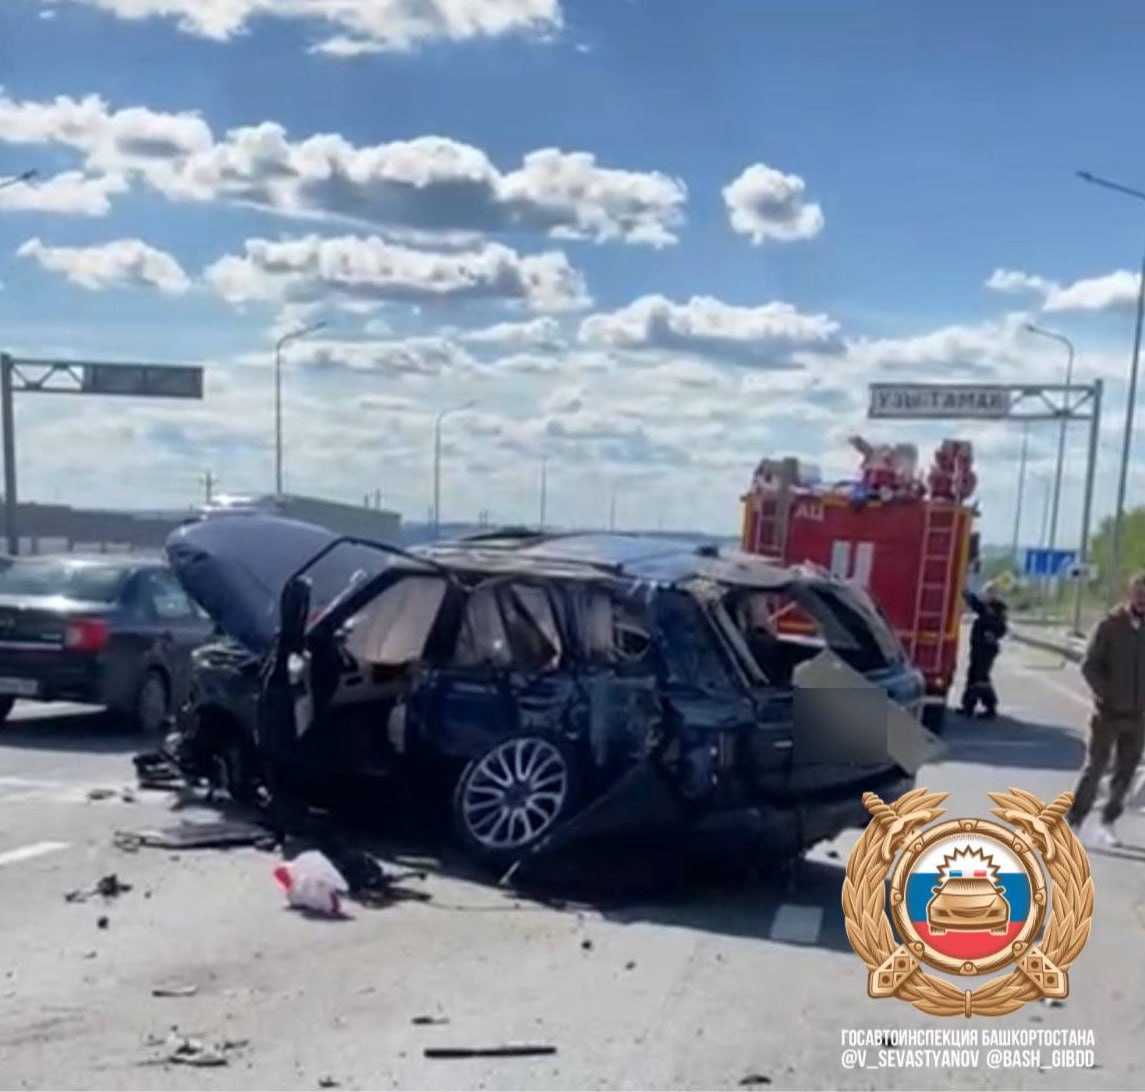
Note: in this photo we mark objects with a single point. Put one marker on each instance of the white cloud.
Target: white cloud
(763, 336)
(1113, 292)
(428, 184)
(363, 26)
(71, 193)
(982, 351)
(538, 333)
(573, 198)
(120, 263)
(415, 356)
(1014, 281)
(526, 364)
(764, 203)
(359, 268)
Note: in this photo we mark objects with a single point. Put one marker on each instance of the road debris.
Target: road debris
(754, 1080)
(630, 965)
(188, 990)
(328, 1082)
(154, 770)
(100, 794)
(107, 887)
(103, 922)
(187, 1050)
(128, 797)
(188, 835)
(524, 1050)
(586, 945)
(425, 1021)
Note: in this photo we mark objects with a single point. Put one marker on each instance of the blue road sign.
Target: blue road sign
(1041, 562)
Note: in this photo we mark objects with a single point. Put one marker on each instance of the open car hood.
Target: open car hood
(235, 568)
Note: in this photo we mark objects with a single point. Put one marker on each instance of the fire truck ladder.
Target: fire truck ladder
(938, 542)
(771, 515)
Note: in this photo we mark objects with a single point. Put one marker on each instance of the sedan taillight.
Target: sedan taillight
(86, 635)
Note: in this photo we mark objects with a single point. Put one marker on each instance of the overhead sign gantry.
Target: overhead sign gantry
(79, 377)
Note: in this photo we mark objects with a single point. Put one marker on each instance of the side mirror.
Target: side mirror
(294, 612)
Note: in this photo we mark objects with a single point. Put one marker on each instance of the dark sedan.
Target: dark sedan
(102, 631)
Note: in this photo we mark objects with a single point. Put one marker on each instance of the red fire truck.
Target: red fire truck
(909, 543)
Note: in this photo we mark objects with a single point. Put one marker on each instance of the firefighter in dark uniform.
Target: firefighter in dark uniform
(985, 643)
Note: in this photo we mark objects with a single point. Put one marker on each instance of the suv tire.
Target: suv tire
(513, 795)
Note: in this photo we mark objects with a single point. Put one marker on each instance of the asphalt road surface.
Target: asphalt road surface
(697, 989)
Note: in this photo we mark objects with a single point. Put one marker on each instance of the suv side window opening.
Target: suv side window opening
(509, 623)
(615, 630)
(482, 640)
(392, 629)
(691, 645)
(532, 627)
(781, 629)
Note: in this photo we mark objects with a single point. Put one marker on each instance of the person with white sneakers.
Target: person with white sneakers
(1114, 668)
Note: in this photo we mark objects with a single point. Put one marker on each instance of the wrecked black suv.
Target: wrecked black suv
(565, 685)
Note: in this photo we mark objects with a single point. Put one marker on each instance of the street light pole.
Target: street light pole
(1021, 490)
(1062, 339)
(1127, 439)
(544, 484)
(293, 335)
(437, 462)
(1087, 503)
(1045, 510)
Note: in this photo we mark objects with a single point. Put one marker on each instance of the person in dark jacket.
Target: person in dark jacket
(1114, 668)
(985, 643)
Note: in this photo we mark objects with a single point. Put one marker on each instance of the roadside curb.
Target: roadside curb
(1071, 651)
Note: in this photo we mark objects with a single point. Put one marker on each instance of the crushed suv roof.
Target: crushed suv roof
(641, 557)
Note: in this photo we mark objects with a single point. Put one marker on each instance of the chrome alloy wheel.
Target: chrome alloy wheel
(515, 793)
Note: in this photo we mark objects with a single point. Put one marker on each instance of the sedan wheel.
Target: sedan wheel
(512, 795)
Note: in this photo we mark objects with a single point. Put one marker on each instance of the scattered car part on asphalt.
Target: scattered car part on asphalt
(188, 990)
(564, 686)
(100, 794)
(429, 1021)
(522, 1051)
(219, 834)
(107, 887)
(187, 1050)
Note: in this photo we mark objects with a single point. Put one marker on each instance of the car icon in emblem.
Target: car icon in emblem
(968, 904)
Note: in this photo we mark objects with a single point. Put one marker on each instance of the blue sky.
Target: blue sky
(632, 311)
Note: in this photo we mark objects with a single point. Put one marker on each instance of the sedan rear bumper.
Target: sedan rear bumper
(55, 675)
